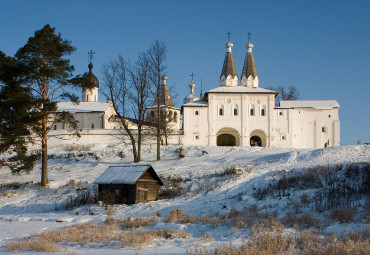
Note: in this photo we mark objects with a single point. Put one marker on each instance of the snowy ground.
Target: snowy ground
(30, 209)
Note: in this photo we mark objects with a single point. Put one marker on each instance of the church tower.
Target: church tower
(249, 76)
(90, 94)
(229, 77)
(168, 113)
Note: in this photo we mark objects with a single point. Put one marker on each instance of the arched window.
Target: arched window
(170, 116)
(221, 110)
(251, 110)
(263, 110)
(92, 126)
(196, 113)
(55, 127)
(235, 110)
(87, 98)
(175, 117)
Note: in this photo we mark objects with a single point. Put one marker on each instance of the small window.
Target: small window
(92, 126)
(196, 112)
(281, 113)
(175, 117)
(329, 116)
(221, 111)
(263, 112)
(283, 137)
(196, 136)
(152, 114)
(323, 129)
(235, 112)
(55, 127)
(252, 112)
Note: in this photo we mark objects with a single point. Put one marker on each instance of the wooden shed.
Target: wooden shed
(128, 184)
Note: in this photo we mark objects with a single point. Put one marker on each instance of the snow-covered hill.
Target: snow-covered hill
(208, 189)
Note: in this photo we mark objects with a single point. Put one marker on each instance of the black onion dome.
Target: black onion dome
(91, 80)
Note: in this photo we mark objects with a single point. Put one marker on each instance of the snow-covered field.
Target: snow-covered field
(29, 209)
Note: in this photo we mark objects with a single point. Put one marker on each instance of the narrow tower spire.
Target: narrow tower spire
(229, 77)
(249, 76)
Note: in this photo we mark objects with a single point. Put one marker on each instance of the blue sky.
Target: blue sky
(319, 46)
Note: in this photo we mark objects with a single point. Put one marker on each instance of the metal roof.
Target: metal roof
(83, 107)
(240, 89)
(125, 174)
(317, 104)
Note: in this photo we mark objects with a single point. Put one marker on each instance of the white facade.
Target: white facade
(245, 115)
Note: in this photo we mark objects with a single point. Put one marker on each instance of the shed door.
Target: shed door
(141, 195)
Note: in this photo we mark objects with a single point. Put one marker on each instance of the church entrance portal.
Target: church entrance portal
(256, 141)
(258, 138)
(227, 137)
(226, 140)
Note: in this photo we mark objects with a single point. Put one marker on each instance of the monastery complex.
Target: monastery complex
(236, 113)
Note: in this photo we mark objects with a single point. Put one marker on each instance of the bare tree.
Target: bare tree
(128, 88)
(138, 94)
(290, 93)
(157, 58)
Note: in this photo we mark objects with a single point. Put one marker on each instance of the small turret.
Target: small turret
(249, 76)
(90, 92)
(229, 77)
(191, 97)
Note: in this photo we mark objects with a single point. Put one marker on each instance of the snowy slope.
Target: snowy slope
(29, 209)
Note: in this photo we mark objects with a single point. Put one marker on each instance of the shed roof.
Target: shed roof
(125, 174)
(317, 104)
(83, 107)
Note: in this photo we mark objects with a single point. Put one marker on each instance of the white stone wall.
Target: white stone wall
(277, 127)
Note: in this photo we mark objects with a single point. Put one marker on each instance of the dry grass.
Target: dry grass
(78, 147)
(174, 215)
(91, 233)
(8, 194)
(32, 245)
(269, 238)
(138, 222)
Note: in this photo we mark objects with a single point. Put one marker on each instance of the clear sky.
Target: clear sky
(319, 46)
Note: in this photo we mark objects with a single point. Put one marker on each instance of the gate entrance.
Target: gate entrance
(255, 141)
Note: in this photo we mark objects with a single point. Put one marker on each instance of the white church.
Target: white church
(233, 114)
(244, 114)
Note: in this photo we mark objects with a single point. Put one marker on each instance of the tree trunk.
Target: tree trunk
(158, 127)
(44, 154)
(139, 138)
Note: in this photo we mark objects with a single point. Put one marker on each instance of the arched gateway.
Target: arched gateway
(228, 137)
(258, 138)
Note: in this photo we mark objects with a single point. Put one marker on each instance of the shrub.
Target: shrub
(172, 186)
(180, 152)
(343, 214)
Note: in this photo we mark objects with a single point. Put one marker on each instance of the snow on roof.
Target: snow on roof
(83, 107)
(317, 104)
(240, 89)
(197, 103)
(123, 174)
